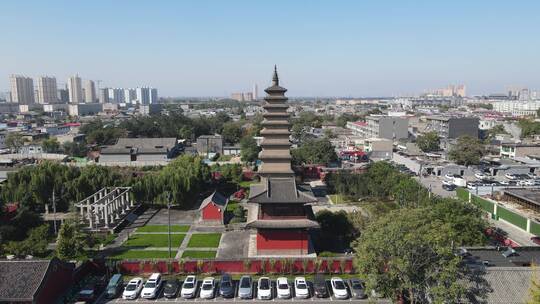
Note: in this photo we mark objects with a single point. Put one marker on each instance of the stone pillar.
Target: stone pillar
(89, 215)
(106, 215)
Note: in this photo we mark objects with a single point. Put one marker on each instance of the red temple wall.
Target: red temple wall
(212, 212)
(282, 239)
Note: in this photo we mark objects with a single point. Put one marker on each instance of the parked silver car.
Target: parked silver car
(245, 288)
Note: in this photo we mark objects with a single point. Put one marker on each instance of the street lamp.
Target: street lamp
(169, 216)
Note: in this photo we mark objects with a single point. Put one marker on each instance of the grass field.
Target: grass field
(143, 254)
(210, 240)
(154, 240)
(163, 228)
(194, 254)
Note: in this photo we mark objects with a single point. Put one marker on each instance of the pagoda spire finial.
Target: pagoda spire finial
(275, 79)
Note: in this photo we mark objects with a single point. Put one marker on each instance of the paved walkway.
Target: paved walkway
(517, 235)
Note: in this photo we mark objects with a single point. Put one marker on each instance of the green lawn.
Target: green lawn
(163, 228)
(143, 254)
(154, 240)
(199, 254)
(210, 240)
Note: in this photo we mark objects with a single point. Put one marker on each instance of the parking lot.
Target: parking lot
(311, 299)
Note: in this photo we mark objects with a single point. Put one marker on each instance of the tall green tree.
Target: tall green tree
(232, 132)
(315, 151)
(71, 241)
(428, 142)
(249, 151)
(410, 252)
(467, 151)
(50, 145)
(14, 141)
(35, 244)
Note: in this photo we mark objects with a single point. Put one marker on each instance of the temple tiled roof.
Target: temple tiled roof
(278, 190)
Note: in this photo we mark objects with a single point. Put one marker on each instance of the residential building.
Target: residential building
(116, 95)
(47, 90)
(378, 148)
(386, 126)
(146, 151)
(130, 95)
(207, 144)
(104, 95)
(150, 109)
(237, 96)
(278, 210)
(356, 127)
(513, 150)
(146, 95)
(517, 108)
(75, 89)
(452, 127)
(22, 89)
(153, 95)
(83, 109)
(89, 91)
(64, 95)
(255, 92)
(248, 96)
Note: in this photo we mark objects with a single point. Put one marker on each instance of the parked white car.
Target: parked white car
(283, 288)
(449, 176)
(208, 288)
(189, 288)
(510, 176)
(152, 286)
(482, 176)
(448, 182)
(133, 288)
(301, 288)
(264, 289)
(339, 288)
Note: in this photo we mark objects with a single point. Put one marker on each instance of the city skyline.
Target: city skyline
(324, 49)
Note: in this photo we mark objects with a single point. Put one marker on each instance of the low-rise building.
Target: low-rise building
(378, 148)
(207, 144)
(145, 151)
(83, 109)
(381, 126)
(513, 150)
(34, 281)
(453, 127)
(213, 208)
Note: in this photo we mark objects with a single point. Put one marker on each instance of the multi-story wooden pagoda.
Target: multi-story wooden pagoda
(279, 212)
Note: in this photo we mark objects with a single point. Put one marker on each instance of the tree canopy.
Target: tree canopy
(249, 151)
(467, 151)
(315, 151)
(428, 142)
(410, 251)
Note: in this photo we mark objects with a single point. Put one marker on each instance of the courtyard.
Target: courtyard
(149, 239)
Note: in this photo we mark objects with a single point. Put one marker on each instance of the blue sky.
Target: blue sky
(322, 48)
